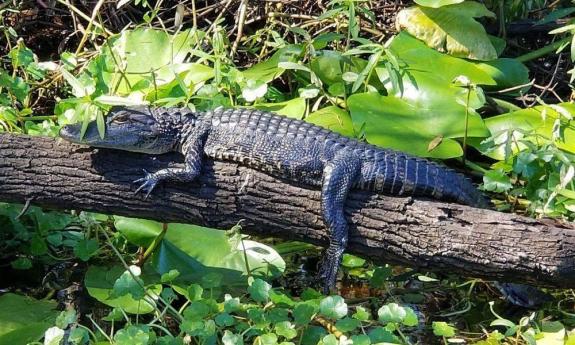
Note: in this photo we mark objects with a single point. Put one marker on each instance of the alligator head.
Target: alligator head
(136, 129)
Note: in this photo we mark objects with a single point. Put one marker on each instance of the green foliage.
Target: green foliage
(420, 93)
(451, 29)
(116, 287)
(197, 252)
(24, 320)
(442, 329)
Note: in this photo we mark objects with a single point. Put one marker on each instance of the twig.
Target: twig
(89, 27)
(241, 22)
(194, 15)
(214, 23)
(25, 208)
(83, 15)
(518, 87)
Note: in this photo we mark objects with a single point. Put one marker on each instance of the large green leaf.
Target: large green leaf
(294, 108)
(417, 57)
(100, 281)
(411, 127)
(437, 3)
(334, 119)
(451, 29)
(268, 70)
(197, 251)
(189, 75)
(421, 85)
(23, 320)
(509, 130)
(507, 73)
(141, 58)
(329, 66)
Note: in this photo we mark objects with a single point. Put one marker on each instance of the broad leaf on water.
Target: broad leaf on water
(532, 124)
(333, 118)
(451, 29)
(294, 108)
(100, 283)
(410, 126)
(23, 320)
(197, 252)
(419, 60)
(507, 73)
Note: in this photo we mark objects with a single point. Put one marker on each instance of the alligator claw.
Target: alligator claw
(149, 182)
(328, 275)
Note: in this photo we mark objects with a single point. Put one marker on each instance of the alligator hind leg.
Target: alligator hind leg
(339, 175)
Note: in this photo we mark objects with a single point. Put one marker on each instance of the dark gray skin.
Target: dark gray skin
(287, 148)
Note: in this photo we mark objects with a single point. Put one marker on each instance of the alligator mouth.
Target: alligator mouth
(71, 133)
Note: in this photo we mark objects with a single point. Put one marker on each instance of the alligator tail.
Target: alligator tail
(399, 174)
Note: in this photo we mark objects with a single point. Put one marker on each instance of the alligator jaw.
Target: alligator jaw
(71, 133)
(91, 136)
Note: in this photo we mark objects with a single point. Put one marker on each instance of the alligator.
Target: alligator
(287, 148)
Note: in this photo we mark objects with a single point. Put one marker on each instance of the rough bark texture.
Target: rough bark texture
(418, 233)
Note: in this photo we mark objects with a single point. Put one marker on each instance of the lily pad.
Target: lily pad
(451, 29)
(23, 320)
(410, 127)
(415, 57)
(196, 252)
(507, 73)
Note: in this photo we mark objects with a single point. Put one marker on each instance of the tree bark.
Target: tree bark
(424, 234)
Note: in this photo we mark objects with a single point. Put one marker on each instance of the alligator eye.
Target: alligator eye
(120, 119)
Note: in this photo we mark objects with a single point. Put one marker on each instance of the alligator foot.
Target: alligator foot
(526, 296)
(149, 182)
(328, 273)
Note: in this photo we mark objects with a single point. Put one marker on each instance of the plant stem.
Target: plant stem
(466, 123)
(154, 244)
(38, 118)
(543, 51)
(474, 166)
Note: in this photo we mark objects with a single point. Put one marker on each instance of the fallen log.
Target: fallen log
(424, 234)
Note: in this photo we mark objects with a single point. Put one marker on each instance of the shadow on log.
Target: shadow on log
(418, 233)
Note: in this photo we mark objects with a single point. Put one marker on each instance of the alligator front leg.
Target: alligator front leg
(338, 177)
(187, 174)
